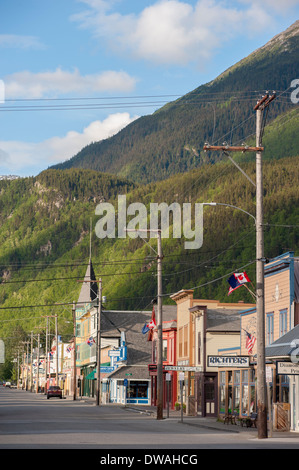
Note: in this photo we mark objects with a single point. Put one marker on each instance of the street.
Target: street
(30, 421)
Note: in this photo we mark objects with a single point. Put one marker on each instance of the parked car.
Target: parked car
(8, 384)
(54, 391)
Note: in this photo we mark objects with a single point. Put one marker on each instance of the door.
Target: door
(210, 388)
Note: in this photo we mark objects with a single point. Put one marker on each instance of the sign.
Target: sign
(228, 361)
(287, 368)
(268, 374)
(125, 382)
(181, 376)
(106, 370)
(114, 353)
(168, 377)
(184, 368)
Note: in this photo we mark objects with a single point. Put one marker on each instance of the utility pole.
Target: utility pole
(260, 294)
(159, 319)
(46, 365)
(99, 313)
(160, 333)
(31, 363)
(260, 288)
(74, 354)
(37, 374)
(56, 334)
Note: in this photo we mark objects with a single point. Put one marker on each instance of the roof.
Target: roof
(131, 373)
(221, 319)
(89, 290)
(138, 348)
(284, 346)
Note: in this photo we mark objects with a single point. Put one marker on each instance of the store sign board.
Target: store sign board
(287, 368)
(228, 361)
(183, 368)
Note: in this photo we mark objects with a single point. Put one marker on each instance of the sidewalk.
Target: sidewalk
(213, 423)
(198, 421)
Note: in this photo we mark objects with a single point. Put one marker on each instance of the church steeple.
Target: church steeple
(89, 290)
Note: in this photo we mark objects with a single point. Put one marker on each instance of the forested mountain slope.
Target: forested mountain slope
(170, 141)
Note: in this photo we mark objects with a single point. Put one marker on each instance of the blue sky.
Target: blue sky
(61, 61)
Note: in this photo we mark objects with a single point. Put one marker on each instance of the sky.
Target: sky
(74, 72)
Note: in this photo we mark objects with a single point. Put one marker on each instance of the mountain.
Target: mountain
(46, 244)
(170, 141)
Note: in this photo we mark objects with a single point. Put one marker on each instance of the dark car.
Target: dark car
(54, 391)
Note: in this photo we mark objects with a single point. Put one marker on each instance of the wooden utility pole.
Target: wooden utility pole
(56, 334)
(260, 295)
(37, 372)
(260, 288)
(160, 332)
(46, 365)
(159, 320)
(31, 363)
(99, 314)
(74, 355)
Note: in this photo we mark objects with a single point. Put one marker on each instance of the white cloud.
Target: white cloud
(17, 41)
(52, 83)
(27, 158)
(174, 31)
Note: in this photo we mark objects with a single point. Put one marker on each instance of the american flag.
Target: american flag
(250, 342)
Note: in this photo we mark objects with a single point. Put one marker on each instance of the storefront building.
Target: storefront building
(204, 327)
(169, 338)
(237, 386)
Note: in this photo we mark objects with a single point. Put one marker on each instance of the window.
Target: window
(198, 348)
(186, 340)
(137, 389)
(269, 328)
(283, 322)
(164, 349)
(180, 342)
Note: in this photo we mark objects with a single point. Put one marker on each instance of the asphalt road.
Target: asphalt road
(30, 421)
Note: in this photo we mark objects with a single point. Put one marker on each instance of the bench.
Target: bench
(249, 421)
(230, 418)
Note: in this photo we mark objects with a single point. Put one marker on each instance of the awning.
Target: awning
(90, 376)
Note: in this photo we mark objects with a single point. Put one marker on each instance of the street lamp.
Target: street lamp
(228, 205)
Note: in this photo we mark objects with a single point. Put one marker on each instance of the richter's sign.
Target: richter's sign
(228, 361)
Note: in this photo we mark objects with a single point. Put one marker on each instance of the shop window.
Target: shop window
(245, 376)
(244, 400)
(222, 399)
(236, 376)
(164, 349)
(137, 389)
(236, 399)
(222, 380)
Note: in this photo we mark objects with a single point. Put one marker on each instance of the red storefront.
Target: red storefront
(169, 359)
